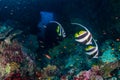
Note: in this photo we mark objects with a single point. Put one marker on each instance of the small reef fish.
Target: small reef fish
(49, 29)
(47, 56)
(92, 51)
(83, 36)
(59, 29)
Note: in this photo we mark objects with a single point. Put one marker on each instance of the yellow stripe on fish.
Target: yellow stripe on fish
(89, 48)
(79, 33)
(83, 37)
(92, 51)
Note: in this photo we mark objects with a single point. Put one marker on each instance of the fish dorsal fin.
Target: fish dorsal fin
(90, 42)
(80, 26)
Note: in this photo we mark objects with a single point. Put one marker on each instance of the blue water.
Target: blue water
(101, 17)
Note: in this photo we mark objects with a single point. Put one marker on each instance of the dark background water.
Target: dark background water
(100, 15)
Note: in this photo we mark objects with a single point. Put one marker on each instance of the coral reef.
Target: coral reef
(14, 66)
(93, 74)
(15, 50)
(109, 67)
(12, 35)
(65, 61)
(108, 56)
(74, 63)
(13, 60)
(70, 57)
(111, 49)
(49, 72)
(7, 33)
(4, 31)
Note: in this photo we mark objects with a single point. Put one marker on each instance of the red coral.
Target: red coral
(13, 53)
(63, 77)
(17, 76)
(94, 72)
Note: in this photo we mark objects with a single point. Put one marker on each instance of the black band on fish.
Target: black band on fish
(85, 42)
(91, 56)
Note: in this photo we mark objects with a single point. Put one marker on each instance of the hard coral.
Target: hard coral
(14, 66)
(4, 31)
(13, 59)
(47, 73)
(92, 74)
(13, 53)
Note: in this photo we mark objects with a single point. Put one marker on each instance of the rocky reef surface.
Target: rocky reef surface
(15, 61)
(73, 64)
(23, 58)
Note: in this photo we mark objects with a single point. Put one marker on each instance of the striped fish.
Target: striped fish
(60, 30)
(92, 50)
(83, 36)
